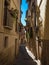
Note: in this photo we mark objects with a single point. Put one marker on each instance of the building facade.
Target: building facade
(9, 30)
(41, 29)
(45, 47)
(31, 25)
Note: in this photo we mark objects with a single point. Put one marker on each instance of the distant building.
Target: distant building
(45, 39)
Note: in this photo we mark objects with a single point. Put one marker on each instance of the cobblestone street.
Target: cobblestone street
(23, 58)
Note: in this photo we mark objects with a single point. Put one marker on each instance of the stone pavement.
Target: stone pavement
(23, 58)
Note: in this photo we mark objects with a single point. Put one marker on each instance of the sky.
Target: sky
(24, 7)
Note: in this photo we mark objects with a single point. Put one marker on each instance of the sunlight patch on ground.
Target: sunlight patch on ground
(32, 56)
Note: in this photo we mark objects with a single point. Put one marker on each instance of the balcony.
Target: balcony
(9, 16)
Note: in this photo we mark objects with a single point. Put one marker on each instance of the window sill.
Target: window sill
(8, 27)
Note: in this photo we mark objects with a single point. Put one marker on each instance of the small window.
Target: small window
(16, 47)
(5, 41)
(16, 26)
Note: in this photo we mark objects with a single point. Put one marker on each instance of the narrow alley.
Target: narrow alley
(24, 32)
(23, 58)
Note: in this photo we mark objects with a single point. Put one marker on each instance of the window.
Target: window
(7, 2)
(30, 32)
(16, 25)
(5, 41)
(16, 47)
(8, 20)
(18, 28)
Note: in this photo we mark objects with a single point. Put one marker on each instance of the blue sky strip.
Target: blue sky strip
(24, 7)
